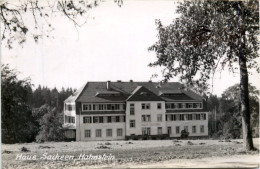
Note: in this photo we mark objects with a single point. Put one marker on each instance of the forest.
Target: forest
(30, 114)
(35, 115)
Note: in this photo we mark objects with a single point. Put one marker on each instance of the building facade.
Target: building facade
(133, 110)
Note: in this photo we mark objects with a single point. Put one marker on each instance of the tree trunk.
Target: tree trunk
(247, 134)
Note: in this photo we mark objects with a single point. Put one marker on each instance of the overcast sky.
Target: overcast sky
(111, 46)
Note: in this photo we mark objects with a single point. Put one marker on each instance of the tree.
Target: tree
(18, 124)
(14, 14)
(209, 36)
(50, 121)
(230, 106)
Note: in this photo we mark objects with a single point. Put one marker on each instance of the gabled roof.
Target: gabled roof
(143, 94)
(88, 92)
(75, 95)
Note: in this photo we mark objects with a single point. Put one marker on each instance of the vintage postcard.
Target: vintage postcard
(129, 84)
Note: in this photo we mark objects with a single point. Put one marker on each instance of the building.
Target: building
(133, 110)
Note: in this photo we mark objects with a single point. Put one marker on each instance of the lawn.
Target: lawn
(124, 153)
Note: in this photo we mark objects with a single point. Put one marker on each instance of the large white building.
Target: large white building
(133, 110)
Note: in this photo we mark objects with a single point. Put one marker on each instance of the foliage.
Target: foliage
(209, 36)
(18, 124)
(205, 38)
(23, 114)
(229, 108)
(184, 134)
(50, 124)
(14, 16)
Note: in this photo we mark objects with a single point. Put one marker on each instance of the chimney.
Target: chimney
(119, 81)
(131, 80)
(108, 85)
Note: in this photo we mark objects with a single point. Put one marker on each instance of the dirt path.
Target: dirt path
(236, 161)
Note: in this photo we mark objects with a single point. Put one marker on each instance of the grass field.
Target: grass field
(157, 153)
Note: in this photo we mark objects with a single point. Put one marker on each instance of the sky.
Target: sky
(112, 45)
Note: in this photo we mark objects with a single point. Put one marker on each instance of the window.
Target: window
(186, 128)
(159, 105)
(98, 133)
(87, 119)
(146, 118)
(167, 106)
(189, 116)
(170, 106)
(197, 116)
(146, 131)
(175, 117)
(182, 117)
(159, 130)
(86, 107)
(117, 118)
(189, 105)
(180, 105)
(132, 109)
(177, 129)
(119, 132)
(109, 133)
(146, 106)
(95, 119)
(87, 133)
(202, 129)
(132, 123)
(69, 107)
(159, 117)
(203, 116)
(71, 119)
(169, 130)
(100, 119)
(197, 105)
(109, 119)
(193, 129)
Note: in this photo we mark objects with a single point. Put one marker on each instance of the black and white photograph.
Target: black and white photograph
(129, 84)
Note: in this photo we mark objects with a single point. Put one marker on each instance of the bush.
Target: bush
(184, 134)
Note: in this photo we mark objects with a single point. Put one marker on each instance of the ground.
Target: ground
(131, 154)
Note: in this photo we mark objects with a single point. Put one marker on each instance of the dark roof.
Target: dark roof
(176, 97)
(75, 95)
(143, 94)
(126, 89)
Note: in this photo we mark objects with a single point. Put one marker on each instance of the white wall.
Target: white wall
(153, 111)
(81, 127)
(189, 123)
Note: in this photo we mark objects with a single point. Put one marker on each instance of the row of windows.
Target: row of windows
(103, 119)
(69, 107)
(109, 133)
(184, 117)
(69, 119)
(186, 128)
(183, 105)
(147, 131)
(94, 107)
(148, 106)
(145, 106)
(147, 118)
